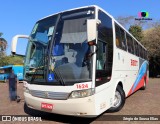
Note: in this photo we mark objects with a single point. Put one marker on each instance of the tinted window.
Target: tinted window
(140, 51)
(105, 28)
(101, 55)
(130, 44)
(120, 38)
(146, 55)
(105, 49)
(136, 48)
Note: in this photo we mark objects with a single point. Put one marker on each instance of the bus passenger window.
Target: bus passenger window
(120, 38)
(117, 42)
(130, 44)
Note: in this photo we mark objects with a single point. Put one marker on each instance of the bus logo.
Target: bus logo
(134, 62)
(46, 94)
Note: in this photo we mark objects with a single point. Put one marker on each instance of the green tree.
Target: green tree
(3, 46)
(136, 31)
(11, 60)
(151, 41)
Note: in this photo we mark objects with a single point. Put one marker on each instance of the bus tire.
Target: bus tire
(119, 100)
(144, 85)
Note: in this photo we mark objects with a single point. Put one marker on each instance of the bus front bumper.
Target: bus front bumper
(75, 107)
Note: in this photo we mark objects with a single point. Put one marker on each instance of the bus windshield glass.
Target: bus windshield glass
(58, 49)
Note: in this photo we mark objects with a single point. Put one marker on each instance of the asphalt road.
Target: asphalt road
(145, 102)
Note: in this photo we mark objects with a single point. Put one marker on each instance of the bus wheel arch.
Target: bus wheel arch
(120, 84)
(119, 98)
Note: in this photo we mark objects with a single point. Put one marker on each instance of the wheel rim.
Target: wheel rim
(117, 99)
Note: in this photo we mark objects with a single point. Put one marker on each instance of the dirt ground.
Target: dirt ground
(141, 103)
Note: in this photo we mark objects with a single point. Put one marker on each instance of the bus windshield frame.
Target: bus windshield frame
(58, 48)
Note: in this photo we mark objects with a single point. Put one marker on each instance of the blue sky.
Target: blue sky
(19, 16)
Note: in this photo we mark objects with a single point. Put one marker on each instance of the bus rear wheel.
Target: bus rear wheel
(119, 100)
(144, 85)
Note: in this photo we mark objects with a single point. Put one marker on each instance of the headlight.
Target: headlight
(82, 93)
(26, 90)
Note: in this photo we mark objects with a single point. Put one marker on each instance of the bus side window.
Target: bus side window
(136, 48)
(140, 51)
(117, 42)
(105, 49)
(120, 38)
(130, 44)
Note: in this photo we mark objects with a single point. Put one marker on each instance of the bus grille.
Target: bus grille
(49, 95)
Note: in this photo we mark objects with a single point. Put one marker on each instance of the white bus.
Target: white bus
(81, 62)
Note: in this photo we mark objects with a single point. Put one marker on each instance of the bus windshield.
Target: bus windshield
(58, 48)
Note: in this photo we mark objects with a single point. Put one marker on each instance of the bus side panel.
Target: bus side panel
(141, 77)
(123, 70)
(18, 70)
(132, 69)
(104, 96)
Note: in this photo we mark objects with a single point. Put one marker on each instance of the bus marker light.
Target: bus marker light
(109, 78)
(99, 79)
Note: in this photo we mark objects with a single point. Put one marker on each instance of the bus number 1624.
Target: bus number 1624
(82, 86)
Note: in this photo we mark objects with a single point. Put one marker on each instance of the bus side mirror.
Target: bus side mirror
(92, 34)
(92, 29)
(14, 42)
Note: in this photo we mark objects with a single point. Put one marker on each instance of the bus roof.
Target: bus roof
(69, 10)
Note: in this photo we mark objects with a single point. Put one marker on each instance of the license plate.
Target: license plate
(47, 106)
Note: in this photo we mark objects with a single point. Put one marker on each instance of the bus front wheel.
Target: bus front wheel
(119, 100)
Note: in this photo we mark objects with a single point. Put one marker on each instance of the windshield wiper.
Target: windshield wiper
(59, 76)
